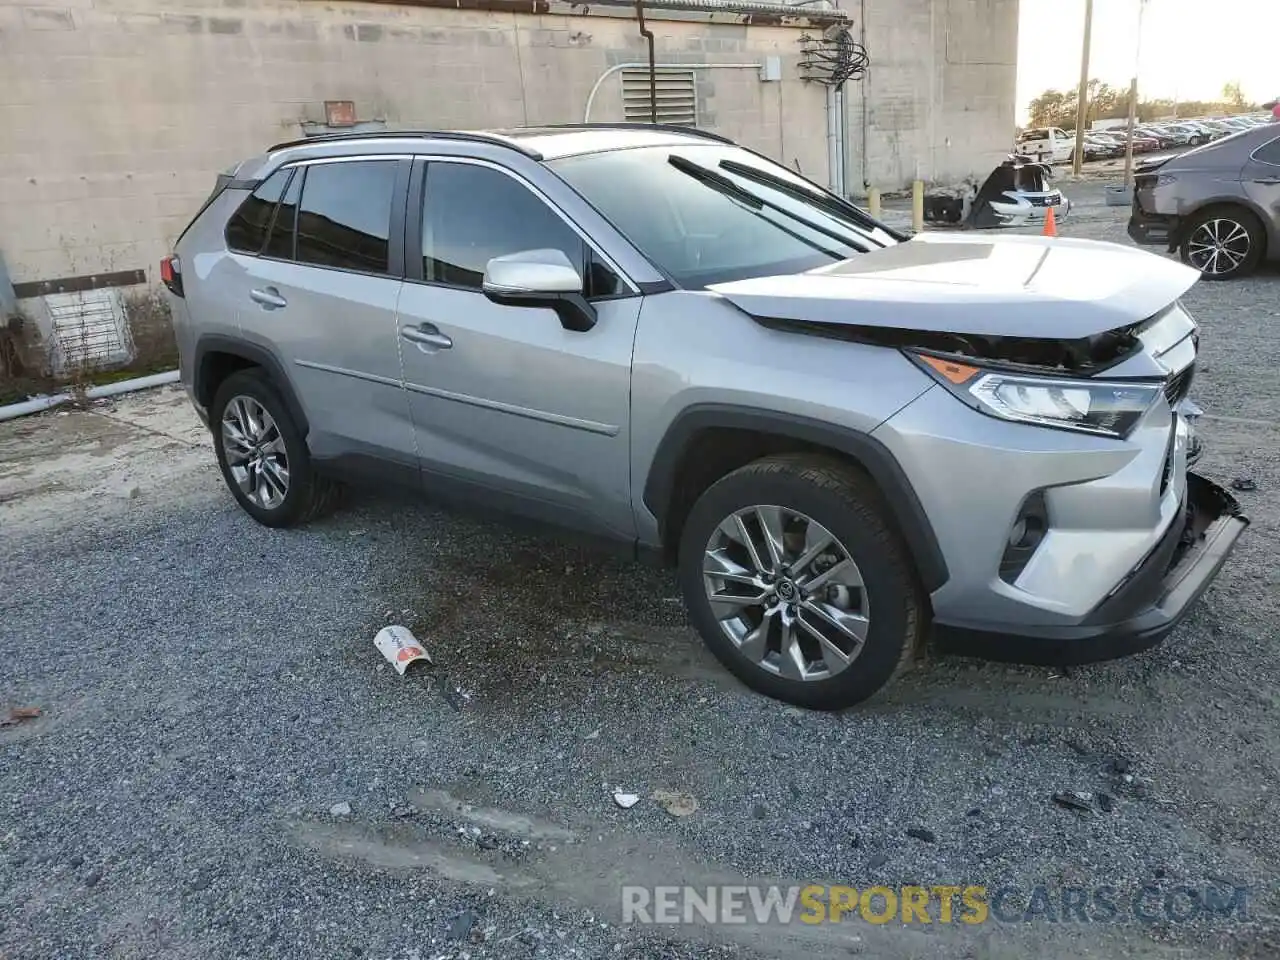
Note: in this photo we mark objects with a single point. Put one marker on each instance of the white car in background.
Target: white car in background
(1046, 145)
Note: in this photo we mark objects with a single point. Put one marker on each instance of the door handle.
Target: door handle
(1268, 181)
(269, 297)
(428, 338)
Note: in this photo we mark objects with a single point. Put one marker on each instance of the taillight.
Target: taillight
(171, 274)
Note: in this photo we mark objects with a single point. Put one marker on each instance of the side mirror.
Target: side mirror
(540, 278)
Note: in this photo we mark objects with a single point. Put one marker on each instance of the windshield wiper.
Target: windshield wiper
(717, 180)
(831, 204)
(726, 186)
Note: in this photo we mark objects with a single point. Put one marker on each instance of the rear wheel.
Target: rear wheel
(798, 584)
(263, 456)
(1223, 243)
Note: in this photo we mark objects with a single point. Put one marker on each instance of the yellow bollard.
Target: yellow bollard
(917, 205)
(873, 202)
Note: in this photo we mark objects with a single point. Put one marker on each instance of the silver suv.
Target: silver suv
(845, 438)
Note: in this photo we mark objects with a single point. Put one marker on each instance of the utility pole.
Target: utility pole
(1133, 100)
(1082, 99)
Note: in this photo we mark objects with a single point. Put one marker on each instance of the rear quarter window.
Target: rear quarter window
(1269, 152)
(247, 229)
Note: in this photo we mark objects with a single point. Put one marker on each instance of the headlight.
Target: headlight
(1106, 408)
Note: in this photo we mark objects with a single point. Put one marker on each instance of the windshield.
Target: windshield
(711, 213)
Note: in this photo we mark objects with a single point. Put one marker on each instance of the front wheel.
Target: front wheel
(798, 583)
(1223, 243)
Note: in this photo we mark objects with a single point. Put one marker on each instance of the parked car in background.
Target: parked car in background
(843, 438)
(1046, 144)
(1163, 138)
(1185, 135)
(1217, 205)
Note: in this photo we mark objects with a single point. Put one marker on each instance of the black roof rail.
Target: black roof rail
(472, 137)
(632, 125)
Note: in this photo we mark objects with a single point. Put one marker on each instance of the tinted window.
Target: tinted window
(1269, 152)
(474, 214)
(280, 243)
(345, 217)
(247, 229)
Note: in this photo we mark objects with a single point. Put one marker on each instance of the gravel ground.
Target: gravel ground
(224, 767)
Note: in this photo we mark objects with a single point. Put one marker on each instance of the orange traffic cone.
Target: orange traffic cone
(1050, 223)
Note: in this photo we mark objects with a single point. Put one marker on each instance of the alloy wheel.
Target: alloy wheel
(255, 452)
(786, 592)
(1218, 246)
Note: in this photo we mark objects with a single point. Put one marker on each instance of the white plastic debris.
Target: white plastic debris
(625, 800)
(342, 809)
(400, 647)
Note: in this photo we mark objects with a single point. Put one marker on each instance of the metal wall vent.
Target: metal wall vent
(677, 96)
(89, 328)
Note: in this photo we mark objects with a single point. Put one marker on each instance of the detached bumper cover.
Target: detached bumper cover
(1145, 606)
(1153, 229)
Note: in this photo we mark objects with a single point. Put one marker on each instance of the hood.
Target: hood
(998, 287)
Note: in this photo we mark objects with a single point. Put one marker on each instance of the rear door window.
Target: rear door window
(344, 220)
(280, 242)
(248, 226)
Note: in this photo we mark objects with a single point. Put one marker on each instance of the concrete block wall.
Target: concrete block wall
(939, 96)
(116, 115)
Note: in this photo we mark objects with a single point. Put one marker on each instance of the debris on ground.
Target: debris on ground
(453, 694)
(460, 927)
(342, 809)
(1106, 803)
(676, 803)
(1245, 484)
(879, 860)
(923, 834)
(19, 715)
(1073, 801)
(401, 648)
(594, 734)
(625, 800)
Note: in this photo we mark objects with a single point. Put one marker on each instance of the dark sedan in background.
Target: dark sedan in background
(1217, 205)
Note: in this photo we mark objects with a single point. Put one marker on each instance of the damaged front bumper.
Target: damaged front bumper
(1141, 610)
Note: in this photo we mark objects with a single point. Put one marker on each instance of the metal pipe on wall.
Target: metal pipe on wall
(833, 147)
(865, 92)
(842, 142)
(653, 70)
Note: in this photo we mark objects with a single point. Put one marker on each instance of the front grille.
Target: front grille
(1039, 201)
(1178, 386)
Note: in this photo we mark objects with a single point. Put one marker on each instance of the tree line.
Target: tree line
(1057, 108)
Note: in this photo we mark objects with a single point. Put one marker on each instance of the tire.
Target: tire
(845, 502)
(1243, 242)
(277, 449)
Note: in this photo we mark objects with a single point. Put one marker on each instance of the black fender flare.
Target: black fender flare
(263, 357)
(872, 455)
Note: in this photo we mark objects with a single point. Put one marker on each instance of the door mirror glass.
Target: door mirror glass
(545, 271)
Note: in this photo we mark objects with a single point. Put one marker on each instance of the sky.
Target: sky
(1190, 48)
